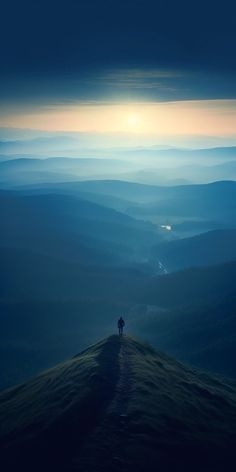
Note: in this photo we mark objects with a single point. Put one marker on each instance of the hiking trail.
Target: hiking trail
(108, 438)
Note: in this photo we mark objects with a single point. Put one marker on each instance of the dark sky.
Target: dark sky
(60, 41)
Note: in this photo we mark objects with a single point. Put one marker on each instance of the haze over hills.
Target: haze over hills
(180, 200)
(79, 253)
(204, 204)
(188, 209)
(23, 171)
(119, 405)
(61, 159)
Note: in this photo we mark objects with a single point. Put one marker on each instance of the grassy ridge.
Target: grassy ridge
(120, 405)
(51, 415)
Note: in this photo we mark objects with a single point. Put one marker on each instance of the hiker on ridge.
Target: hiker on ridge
(121, 325)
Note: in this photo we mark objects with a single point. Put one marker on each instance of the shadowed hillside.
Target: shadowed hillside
(119, 405)
(198, 207)
(202, 335)
(213, 247)
(49, 307)
(191, 286)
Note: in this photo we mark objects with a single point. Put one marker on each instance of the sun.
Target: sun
(133, 120)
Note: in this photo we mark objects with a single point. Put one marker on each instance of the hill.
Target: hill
(49, 305)
(23, 171)
(189, 209)
(36, 335)
(26, 275)
(59, 224)
(213, 247)
(192, 286)
(119, 405)
(201, 335)
(213, 201)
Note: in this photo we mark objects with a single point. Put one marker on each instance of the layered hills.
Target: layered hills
(119, 405)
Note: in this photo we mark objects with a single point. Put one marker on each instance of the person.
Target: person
(121, 325)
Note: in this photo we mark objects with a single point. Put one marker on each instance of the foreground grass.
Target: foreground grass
(119, 405)
(179, 415)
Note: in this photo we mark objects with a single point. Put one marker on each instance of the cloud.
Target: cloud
(141, 79)
(116, 85)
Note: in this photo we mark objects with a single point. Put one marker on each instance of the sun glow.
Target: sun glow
(186, 118)
(133, 121)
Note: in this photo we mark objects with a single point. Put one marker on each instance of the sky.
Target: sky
(150, 67)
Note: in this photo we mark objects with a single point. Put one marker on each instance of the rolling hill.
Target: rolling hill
(119, 405)
(26, 170)
(36, 335)
(202, 335)
(213, 247)
(58, 224)
(26, 275)
(47, 305)
(214, 201)
(194, 286)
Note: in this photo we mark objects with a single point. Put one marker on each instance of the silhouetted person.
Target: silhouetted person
(121, 325)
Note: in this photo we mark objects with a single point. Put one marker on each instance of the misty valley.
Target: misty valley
(86, 239)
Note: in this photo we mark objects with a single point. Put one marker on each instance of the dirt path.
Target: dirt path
(105, 448)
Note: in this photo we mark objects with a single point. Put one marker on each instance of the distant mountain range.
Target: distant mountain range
(22, 171)
(82, 141)
(48, 161)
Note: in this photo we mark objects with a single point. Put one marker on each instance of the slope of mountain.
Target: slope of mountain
(214, 201)
(36, 335)
(192, 286)
(44, 299)
(119, 405)
(26, 275)
(213, 247)
(189, 209)
(202, 335)
(57, 224)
